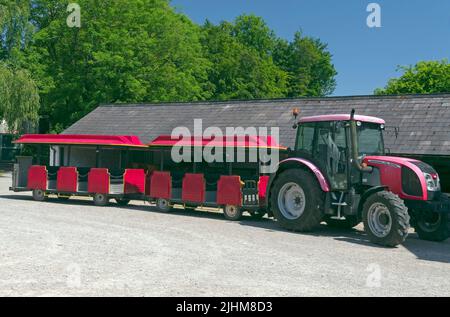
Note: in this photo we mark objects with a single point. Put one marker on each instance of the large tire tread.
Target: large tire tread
(399, 214)
(314, 196)
(441, 233)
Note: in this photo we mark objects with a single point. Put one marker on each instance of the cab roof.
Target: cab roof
(341, 117)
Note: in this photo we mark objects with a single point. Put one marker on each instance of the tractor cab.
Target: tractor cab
(338, 144)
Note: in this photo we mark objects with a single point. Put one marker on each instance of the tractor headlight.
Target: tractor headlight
(433, 182)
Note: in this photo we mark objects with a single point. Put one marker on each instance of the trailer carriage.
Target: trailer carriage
(123, 168)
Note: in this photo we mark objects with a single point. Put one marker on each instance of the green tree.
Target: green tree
(307, 61)
(309, 65)
(15, 29)
(239, 71)
(252, 31)
(125, 51)
(427, 77)
(19, 98)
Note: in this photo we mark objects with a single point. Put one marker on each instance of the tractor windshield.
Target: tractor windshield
(370, 139)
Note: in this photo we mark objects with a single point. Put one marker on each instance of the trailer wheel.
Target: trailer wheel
(101, 199)
(433, 227)
(232, 212)
(122, 201)
(163, 205)
(386, 219)
(297, 200)
(38, 194)
(348, 223)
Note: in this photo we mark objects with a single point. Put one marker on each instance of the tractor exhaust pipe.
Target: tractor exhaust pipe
(354, 146)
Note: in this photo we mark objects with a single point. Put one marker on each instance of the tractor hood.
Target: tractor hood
(408, 178)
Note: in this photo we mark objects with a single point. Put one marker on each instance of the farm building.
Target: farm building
(417, 126)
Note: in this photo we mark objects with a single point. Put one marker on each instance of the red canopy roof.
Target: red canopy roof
(66, 139)
(225, 141)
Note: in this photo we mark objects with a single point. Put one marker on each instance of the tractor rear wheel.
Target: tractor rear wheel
(433, 226)
(297, 200)
(386, 219)
(348, 223)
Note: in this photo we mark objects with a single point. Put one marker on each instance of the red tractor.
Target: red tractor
(338, 173)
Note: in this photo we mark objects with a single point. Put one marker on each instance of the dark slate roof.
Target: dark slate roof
(423, 120)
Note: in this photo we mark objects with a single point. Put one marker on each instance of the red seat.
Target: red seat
(134, 181)
(262, 188)
(37, 177)
(98, 181)
(194, 188)
(229, 191)
(161, 185)
(67, 180)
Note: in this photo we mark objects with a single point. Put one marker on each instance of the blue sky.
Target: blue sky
(365, 58)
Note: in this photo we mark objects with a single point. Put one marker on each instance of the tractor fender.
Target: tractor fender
(369, 193)
(291, 163)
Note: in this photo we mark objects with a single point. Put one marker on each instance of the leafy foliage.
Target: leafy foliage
(19, 98)
(239, 71)
(426, 77)
(144, 51)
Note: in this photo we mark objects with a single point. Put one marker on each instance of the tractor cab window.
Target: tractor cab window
(326, 143)
(305, 138)
(370, 139)
(331, 151)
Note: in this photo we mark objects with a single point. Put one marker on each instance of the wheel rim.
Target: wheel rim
(100, 197)
(231, 211)
(379, 220)
(431, 222)
(39, 193)
(291, 201)
(163, 204)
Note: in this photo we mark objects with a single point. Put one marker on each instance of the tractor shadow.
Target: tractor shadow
(423, 250)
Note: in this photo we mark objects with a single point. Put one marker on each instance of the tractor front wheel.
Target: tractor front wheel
(433, 226)
(297, 200)
(386, 219)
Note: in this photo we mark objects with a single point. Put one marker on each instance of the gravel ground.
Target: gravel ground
(76, 249)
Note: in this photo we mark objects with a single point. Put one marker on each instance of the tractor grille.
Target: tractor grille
(411, 182)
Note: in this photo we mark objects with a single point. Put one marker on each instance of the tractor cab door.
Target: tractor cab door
(326, 144)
